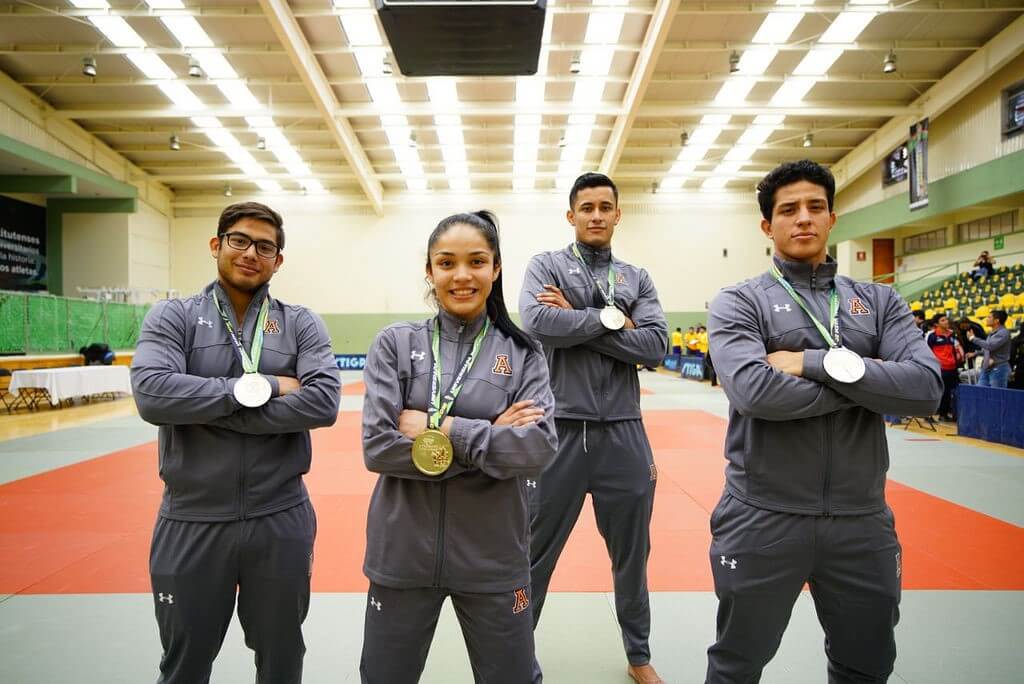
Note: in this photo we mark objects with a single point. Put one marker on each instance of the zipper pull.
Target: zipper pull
(461, 328)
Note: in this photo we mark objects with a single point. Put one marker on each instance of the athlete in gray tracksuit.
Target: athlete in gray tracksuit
(464, 533)
(603, 448)
(235, 513)
(804, 499)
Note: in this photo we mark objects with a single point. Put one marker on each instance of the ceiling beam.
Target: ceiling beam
(967, 76)
(39, 184)
(657, 33)
(659, 109)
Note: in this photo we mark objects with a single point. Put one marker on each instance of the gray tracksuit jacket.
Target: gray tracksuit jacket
(811, 445)
(593, 369)
(467, 529)
(996, 346)
(219, 460)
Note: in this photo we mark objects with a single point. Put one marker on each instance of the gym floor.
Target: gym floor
(79, 493)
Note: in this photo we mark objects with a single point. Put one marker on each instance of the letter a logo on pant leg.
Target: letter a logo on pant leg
(522, 601)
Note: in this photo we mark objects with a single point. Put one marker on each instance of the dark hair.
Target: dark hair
(937, 317)
(789, 173)
(591, 180)
(487, 223)
(999, 315)
(234, 213)
(917, 313)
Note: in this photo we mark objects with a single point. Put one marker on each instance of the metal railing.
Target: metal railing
(913, 282)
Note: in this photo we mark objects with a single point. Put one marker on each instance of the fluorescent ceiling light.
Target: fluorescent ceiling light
(588, 91)
(846, 27)
(260, 121)
(524, 152)
(273, 138)
(869, 2)
(448, 119)
(394, 120)
(728, 167)
(361, 29)
(715, 119)
(165, 4)
(268, 185)
(715, 183)
(582, 119)
(740, 153)
(214, 64)
(450, 136)
(604, 28)
(222, 138)
(411, 167)
(520, 184)
(792, 91)
(416, 184)
(442, 92)
(370, 61)
(287, 155)
(755, 61)
(755, 135)
(769, 119)
(117, 31)
(298, 170)
(398, 136)
(574, 153)
(694, 152)
(577, 135)
(457, 169)
(671, 183)
(312, 186)
(682, 167)
(567, 172)
(90, 4)
(453, 154)
(351, 4)
(187, 30)
(817, 61)
(206, 121)
(523, 170)
(596, 61)
(459, 184)
(735, 90)
(383, 92)
(150, 65)
(777, 27)
(529, 92)
(181, 95)
(238, 95)
(527, 120)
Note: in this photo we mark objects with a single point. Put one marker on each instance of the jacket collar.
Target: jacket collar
(595, 258)
(454, 328)
(807, 275)
(225, 301)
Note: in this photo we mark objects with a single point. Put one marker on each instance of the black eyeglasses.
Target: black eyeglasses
(241, 242)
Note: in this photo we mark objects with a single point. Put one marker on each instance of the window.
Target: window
(987, 227)
(924, 241)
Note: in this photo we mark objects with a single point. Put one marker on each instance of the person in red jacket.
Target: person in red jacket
(946, 348)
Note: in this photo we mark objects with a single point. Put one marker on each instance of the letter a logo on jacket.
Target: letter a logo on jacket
(501, 365)
(857, 307)
(522, 601)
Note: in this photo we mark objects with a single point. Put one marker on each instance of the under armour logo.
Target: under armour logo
(375, 603)
(782, 307)
(531, 483)
(418, 355)
(203, 321)
(166, 598)
(731, 563)
(575, 271)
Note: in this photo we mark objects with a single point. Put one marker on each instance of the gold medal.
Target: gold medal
(432, 452)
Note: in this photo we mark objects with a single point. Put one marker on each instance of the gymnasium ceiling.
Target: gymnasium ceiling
(293, 98)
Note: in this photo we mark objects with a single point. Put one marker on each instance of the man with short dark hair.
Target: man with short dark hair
(810, 360)
(995, 363)
(946, 348)
(236, 380)
(597, 317)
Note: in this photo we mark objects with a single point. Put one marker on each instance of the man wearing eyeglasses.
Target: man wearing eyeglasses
(236, 380)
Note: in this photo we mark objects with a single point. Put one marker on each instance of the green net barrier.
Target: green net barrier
(33, 324)
(13, 323)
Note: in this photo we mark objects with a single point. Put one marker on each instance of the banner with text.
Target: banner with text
(22, 245)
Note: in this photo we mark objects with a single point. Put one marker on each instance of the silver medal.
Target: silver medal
(612, 318)
(252, 390)
(844, 365)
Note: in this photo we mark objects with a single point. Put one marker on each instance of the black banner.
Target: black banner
(22, 245)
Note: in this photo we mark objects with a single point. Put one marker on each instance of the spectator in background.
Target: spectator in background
(677, 341)
(919, 320)
(702, 340)
(692, 341)
(946, 348)
(995, 365)
(1017, 358)
(965, 326)
(984, 266)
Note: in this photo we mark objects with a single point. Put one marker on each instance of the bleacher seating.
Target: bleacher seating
(961, 296)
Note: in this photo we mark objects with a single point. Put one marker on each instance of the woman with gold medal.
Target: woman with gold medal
(458, 422)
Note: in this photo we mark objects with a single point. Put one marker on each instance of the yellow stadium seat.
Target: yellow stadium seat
(982, 312)
(916, 306)
(1007, 300)
(951, 304)
(1020, 299)
(928, 313)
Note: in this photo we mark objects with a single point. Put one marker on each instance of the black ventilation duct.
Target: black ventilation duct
(464, 37)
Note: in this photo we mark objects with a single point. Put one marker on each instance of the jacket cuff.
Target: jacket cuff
(231, 391)
(459, 435)
(594, 324)
(814, 365)
(275, 385)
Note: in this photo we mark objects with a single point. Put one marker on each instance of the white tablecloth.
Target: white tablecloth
(75, 381)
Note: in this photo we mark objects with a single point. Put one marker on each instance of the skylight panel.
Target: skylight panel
(384, 92)
(588, 91)
(777, 27)
(361, 29)
(117, 31)
(150, 65)
(529, 92)
(214, 64)
(180, 95)
(268, 185)
(793, 90)
(596, 61)
(755, 61)
(735, 90)
(818, 61)
(238, 94)
(846, 27)
(740, 153)
(186, 30)
(370, 61)
(604, 28)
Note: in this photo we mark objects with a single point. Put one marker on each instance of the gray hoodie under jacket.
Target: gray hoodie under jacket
(219, 460)
(812, 445)
(467, 529)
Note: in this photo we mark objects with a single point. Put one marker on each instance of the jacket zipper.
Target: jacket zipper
(242, 479)
(439, 550)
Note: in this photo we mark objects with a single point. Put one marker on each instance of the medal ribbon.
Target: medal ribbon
(438, 408)
(249, 364)
(609, 297)
(832, 339)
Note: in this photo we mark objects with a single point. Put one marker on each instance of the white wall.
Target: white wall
(338, 262)
(96, 251)
(149, 234)
(964, 254)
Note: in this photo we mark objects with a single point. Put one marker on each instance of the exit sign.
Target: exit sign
(998, 243)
